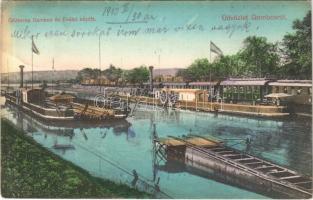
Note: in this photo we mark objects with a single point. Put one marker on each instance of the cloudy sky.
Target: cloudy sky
(162, 34)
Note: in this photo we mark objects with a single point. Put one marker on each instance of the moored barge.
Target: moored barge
(60, 107)
(238, 168)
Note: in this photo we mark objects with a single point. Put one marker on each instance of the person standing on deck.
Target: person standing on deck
(278, 102)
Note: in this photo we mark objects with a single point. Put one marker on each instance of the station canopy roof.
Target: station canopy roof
(169, 84)
(292, 83)
(154, 83)
(202, 83)
(245, 82)
(183, 90)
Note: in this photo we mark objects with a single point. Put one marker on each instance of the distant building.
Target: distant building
(100, 81)
(165, 72)
(168, 78)
(188, 94)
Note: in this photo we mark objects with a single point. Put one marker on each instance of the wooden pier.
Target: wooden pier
(238, 168)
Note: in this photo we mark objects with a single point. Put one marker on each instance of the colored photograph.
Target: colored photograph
(156, 99)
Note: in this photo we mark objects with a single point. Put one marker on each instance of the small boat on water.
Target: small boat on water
(63, 146)
(236, 167)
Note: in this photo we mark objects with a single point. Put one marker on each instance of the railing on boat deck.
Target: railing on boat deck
(43, 111)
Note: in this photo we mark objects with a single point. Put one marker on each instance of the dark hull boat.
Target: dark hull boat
(61, 107)
(41, 112)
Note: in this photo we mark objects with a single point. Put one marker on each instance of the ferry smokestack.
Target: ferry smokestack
(22, 75)
(151, 77)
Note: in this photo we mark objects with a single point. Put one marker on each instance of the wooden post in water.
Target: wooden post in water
(203, 106)
(153, 101)
(222, 97)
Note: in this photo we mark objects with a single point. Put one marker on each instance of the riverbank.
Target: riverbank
(28, 170)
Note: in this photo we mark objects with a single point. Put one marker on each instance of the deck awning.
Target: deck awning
(244, 82)
(171, 142)
(59, 97)
(278, 95)
(201, 142)
(290, 84)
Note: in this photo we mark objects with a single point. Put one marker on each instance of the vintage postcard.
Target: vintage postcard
(156, 99)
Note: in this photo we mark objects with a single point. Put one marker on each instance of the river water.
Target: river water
(112, 150)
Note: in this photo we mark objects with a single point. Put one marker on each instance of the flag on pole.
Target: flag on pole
(215, 49)
(34, 48)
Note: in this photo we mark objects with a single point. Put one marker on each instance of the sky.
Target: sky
(161, 34)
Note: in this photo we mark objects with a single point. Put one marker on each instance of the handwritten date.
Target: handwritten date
(130, 15)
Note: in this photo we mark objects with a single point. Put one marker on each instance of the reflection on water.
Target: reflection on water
(114, 150)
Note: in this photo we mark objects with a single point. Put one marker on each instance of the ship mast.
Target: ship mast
(100, 60)
(8, 75)
(32, 65)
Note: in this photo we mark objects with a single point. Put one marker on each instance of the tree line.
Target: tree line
(287, 59)
(116, 75)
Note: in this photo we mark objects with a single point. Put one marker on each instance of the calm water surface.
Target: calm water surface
(109, 150)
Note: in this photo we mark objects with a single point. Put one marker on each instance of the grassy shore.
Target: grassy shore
(30, 171)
